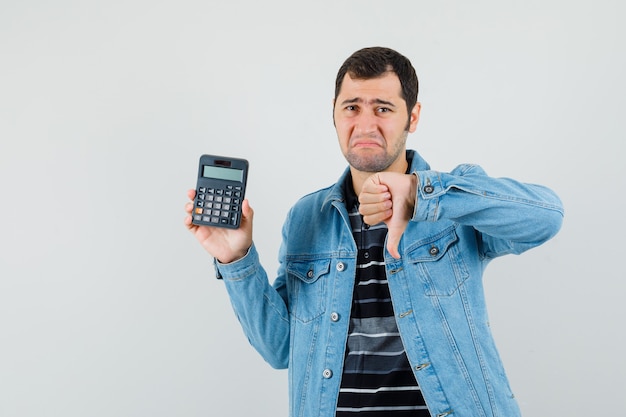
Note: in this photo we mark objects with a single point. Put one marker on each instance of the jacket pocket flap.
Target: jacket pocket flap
(309, 271)
(433, 247)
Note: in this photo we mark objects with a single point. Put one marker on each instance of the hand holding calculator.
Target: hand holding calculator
(220, 191)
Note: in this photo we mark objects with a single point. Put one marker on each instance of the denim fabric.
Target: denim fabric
(462, 220)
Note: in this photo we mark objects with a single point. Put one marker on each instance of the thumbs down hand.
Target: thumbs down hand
(389, 197)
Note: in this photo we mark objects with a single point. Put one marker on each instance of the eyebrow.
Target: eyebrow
(374, 101)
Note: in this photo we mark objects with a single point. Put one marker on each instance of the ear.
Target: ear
(414, 117)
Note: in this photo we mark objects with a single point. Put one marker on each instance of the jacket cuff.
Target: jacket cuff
(429, 189)
(235, 269)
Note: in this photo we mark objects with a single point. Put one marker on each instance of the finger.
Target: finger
(369, 209)
(374, 181)
(378, 217)
(188, 223)
(373, 188)
(191, 193)
(369, 198)
(246, 212)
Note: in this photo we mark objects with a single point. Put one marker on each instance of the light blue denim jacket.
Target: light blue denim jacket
(462, 220)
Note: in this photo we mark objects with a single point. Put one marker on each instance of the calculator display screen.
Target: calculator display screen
(230, 174)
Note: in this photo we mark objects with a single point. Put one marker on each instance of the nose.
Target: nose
(365, 123)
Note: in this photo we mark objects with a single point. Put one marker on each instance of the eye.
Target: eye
(383, 110)
(351, 108)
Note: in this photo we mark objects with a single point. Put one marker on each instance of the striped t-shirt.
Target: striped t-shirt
(377, 379)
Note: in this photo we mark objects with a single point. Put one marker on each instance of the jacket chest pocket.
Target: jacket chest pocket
(307, 281)
(439, 263)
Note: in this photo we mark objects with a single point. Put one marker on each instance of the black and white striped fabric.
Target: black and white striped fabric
(377, 379)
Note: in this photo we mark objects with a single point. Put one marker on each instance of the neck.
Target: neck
(359, 177)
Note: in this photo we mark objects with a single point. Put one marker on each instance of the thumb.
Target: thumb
(400, 215)
(395, 228)
(247, 213)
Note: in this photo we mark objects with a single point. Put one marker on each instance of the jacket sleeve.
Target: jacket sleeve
(509, 217)
(260, 307)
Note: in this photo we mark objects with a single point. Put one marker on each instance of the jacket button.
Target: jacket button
(327, 373)
(334, 316)
(434, 250)
(341, 266)
(310, 273)
(428, 189)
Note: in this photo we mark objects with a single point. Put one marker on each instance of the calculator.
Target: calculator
(220, 191)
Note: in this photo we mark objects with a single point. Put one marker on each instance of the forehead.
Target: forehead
(386, 87)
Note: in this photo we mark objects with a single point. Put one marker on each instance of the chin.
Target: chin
(367, 164)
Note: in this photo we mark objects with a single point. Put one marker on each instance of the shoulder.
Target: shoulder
(314, 199)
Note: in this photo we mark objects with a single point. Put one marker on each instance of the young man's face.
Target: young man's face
(372, 123)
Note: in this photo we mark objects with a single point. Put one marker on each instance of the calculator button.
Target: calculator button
(219, 206)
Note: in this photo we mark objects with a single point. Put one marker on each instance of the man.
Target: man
(378, 307)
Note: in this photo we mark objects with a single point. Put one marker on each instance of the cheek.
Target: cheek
(343, 140)
(343, 131)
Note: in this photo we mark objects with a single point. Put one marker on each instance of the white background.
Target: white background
(108, 306)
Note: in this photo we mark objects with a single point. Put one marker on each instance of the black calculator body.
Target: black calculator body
(220, 191)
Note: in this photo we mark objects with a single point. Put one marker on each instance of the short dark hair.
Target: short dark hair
(373, 62)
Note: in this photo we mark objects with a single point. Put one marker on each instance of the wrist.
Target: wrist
(234, 257)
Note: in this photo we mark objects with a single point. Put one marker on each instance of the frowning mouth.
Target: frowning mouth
(367, 143)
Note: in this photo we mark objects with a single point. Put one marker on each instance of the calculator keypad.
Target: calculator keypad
(218, 206)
